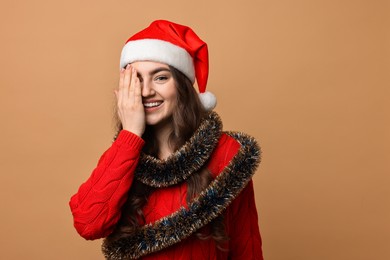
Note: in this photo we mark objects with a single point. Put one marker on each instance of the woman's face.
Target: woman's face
(158, 91)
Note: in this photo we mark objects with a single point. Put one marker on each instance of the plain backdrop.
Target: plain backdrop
(308, 78)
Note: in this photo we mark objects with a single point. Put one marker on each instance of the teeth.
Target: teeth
(153, 104)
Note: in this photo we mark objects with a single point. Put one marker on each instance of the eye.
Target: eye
(161, 78)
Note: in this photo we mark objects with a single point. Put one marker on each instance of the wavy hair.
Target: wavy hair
(186, 119)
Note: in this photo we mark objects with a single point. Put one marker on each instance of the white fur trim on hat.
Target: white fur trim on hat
(208, 100)
(159, 51)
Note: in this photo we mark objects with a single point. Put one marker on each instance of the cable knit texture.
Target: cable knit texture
(97, 205)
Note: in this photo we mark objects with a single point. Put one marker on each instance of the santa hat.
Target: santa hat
(176, 45)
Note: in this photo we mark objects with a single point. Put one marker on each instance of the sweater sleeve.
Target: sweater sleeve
(96, 207)
(242, 220)
(244, 232)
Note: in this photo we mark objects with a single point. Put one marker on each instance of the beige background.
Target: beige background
(309, 79)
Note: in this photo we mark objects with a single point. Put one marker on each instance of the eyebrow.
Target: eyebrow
(157, 70)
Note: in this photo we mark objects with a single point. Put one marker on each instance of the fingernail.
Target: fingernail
(122, 69)
(127, 66)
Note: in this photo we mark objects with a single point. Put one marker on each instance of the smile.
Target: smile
(152, 104)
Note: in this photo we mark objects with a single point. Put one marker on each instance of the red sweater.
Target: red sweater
(96, 207)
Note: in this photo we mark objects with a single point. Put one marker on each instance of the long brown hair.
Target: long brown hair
(186, 118)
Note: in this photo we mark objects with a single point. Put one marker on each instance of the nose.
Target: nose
(147, 89)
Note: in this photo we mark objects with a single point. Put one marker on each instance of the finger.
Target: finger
(121, 76)
(126, 82)
(121, 79)
(137, 92)
(132, 84)
(119, 92)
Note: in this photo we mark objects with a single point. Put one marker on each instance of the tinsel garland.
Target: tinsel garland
(187, 160)
(206, 207)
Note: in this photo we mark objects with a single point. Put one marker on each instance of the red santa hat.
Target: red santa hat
(176, 45)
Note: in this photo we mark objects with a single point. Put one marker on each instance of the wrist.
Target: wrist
(138, 132)
(126, 137)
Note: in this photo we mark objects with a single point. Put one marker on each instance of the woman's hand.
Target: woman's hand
(129, 99)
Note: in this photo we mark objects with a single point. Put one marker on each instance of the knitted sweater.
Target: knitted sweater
(170, 221)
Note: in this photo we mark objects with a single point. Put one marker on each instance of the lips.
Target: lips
(151, 104)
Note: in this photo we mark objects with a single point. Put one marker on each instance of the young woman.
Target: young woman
(172, 185)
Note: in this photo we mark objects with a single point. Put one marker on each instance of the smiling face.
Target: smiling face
(158, 91)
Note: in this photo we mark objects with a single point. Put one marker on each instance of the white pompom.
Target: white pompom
(209, 101)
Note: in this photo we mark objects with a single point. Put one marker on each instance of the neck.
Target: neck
(162, 133)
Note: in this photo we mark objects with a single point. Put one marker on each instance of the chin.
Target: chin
(158, 120)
